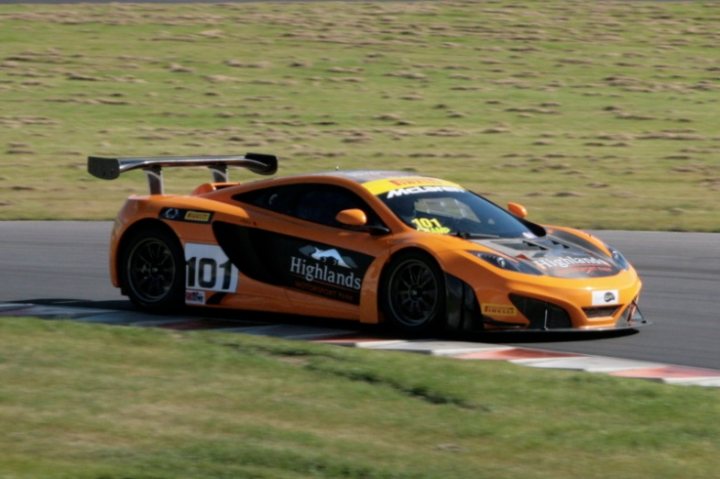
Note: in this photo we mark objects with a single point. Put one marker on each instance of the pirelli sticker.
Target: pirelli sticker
(498, 310)
(197, 216)
(407, 184)
(190, 216)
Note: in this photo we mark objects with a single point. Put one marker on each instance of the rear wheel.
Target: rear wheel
(153, 269)
(414, 294)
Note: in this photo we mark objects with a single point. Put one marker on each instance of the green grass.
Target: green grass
(598, 115)
(99, 402)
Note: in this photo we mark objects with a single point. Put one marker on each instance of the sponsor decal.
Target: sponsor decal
(380, 187)
(416, 190)
(191, 216)
(291, 262)
(498, 310)
(198, 216)
(207, 268)
(606, 297)
(194, 297)
(570, 261)
(327, 267)
(555, 258)
(170, 213)
(329, 256)
(419, 181)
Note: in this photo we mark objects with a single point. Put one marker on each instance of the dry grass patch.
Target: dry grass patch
(463, 82)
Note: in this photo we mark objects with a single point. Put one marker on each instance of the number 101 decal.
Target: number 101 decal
(208, 269)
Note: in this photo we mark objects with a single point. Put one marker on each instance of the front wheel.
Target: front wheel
(153, 269)
(414, 294)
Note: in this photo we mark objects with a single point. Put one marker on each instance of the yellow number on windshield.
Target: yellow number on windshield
(430, 225)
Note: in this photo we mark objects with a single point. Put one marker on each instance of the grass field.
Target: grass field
(595, 114)
(99, 402)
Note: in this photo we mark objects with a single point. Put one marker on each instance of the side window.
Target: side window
(322, 203)
(278, 199)
(319, 203)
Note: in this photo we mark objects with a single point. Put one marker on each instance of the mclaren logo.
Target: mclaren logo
(606, 297)
(171, 213)
(414, 190)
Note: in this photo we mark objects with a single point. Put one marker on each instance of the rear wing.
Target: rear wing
(112, 168)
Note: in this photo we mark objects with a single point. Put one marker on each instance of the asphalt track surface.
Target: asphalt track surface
(42, 261)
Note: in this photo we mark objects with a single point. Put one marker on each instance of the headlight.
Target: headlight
(509, 264)
(619, 259)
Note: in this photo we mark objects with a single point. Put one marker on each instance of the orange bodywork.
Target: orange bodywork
(457, 257)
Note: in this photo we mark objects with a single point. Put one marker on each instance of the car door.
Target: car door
(298, 244)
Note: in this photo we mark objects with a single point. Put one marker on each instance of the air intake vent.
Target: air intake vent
(601, 311)
(542, 315)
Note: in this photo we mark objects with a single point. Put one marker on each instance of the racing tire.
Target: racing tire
(413, 294)
(153, 270)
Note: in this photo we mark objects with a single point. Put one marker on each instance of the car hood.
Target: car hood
(554, 257)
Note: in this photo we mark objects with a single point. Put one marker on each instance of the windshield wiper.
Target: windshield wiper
(467, 235)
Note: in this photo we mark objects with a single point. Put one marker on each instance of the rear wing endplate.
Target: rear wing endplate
(111, 168)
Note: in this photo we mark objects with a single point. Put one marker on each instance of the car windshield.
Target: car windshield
(457, 212)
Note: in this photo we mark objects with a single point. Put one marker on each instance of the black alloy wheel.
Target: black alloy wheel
(154, 270)
(414, 294)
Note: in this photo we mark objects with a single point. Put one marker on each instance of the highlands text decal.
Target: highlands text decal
(326, 272)
(314, 271)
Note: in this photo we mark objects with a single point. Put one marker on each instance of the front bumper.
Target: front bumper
(529, 308)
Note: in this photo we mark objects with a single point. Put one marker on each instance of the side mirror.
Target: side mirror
(353, 217)
(356, 219)
(517, 210)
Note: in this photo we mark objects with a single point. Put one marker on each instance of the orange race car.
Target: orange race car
(417, 253)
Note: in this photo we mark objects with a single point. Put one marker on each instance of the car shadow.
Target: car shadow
(547, 336)
(234, 318)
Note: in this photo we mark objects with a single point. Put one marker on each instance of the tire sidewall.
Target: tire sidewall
(437, 320)
(175, 297)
